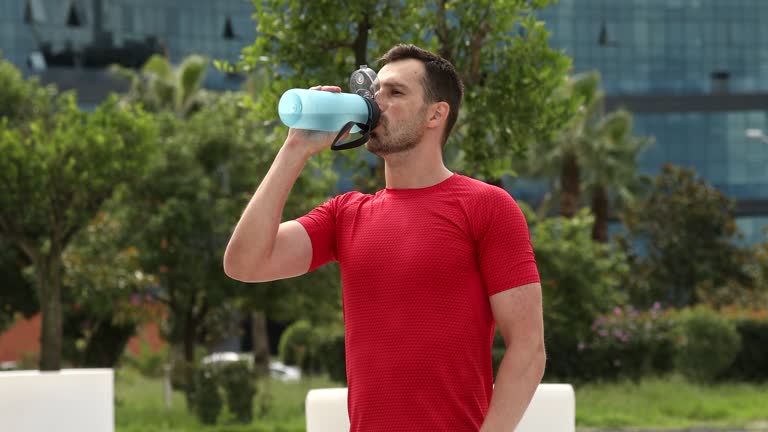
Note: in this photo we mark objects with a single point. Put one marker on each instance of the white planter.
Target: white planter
(552, 409)
(79, 400)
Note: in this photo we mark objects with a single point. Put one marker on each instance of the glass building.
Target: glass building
(70, 42)
(695, 75)
(693, 72)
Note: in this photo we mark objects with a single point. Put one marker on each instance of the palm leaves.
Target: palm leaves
(594, 152)
(158, 86)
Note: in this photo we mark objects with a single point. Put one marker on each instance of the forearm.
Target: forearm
(518, 377)
(254, 236)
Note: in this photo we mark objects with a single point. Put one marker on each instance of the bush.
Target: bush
(625, 343)
(580, 279)
(331, 356)
(205, 399)
(148, 362)
(707, 344)
(628, 343)
(237, 380)
(295, 348)
(751, 363)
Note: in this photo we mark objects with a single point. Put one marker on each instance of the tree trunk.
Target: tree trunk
(190, 330)
(570, 187)
(600, 211)
(361, 41)
(49, 281)
(260, 339)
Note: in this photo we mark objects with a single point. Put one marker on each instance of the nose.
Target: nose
(380, 101)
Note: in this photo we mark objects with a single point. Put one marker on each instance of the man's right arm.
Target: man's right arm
(261, 248)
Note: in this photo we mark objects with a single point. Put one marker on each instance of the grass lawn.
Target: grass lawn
(139, 407)
(670, 402)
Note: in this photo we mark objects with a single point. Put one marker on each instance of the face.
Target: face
(403, 110)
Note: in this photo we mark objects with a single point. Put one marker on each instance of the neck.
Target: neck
(417, 168)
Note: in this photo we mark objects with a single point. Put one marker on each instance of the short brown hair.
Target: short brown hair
(441, 82)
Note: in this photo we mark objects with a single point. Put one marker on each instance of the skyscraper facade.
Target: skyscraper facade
(695, 75)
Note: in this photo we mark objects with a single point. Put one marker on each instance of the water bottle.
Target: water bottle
(322, 110)
(356, 112)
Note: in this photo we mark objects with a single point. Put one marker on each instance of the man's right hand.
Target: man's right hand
(311, 141)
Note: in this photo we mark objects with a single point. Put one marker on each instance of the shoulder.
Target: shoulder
(340, 203)
(479, 193)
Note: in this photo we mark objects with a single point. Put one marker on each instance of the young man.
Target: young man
(430, 265)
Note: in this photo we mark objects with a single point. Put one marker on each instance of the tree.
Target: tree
(580, 279)
(681, 235)
(159, 86)
(610, 167)
(511, 75)
(59, 165)
(17, 298)
(108, 293)
(594, 151)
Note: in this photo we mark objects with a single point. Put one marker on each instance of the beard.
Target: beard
(389, 139)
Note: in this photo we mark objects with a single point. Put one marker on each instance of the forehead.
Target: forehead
(409, 72)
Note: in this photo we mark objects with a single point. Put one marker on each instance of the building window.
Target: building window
(34, 12)
(229, 32)
(74, 17)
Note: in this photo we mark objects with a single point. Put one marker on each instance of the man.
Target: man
(428, 265)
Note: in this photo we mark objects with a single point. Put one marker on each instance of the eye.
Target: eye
(396, 92)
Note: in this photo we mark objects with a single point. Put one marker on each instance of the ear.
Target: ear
(438, 114)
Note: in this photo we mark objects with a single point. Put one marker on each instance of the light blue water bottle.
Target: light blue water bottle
(319, 110)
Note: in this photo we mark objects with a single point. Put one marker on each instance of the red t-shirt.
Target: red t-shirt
(417, 269)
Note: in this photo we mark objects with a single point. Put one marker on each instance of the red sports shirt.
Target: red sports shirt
(417, 269)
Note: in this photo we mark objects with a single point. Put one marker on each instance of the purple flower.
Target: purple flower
(617, 311)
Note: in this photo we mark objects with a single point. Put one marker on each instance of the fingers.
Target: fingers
(334, 89)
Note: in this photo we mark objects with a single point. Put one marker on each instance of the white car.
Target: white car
(277, 370)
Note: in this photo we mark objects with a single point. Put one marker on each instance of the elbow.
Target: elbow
(231, 269)
(235, 268)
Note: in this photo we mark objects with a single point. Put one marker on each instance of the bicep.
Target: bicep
(291, 255)
(518, 314)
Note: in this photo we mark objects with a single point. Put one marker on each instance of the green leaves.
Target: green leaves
(512, 76)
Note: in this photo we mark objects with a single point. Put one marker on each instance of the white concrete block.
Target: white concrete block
(552, 409)
(79, 400)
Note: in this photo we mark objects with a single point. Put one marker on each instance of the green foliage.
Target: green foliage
(628, 343)
(580, 278)
(148, 362)
(17, 297)
(22, 100)
(161, 87)
(751, 362)
(106, 291)
(497, 46)
(206, 400)
(237, 382)
(595, 152)
(331, 354)
(684, 233)
(707, 344)
(296, 345)
(59, 166)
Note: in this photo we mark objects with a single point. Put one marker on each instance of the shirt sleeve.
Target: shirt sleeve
(320, 224)
(504, 251)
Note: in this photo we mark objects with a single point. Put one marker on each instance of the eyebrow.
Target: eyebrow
(394, 84)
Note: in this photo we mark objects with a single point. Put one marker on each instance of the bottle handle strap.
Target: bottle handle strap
(354, 143)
